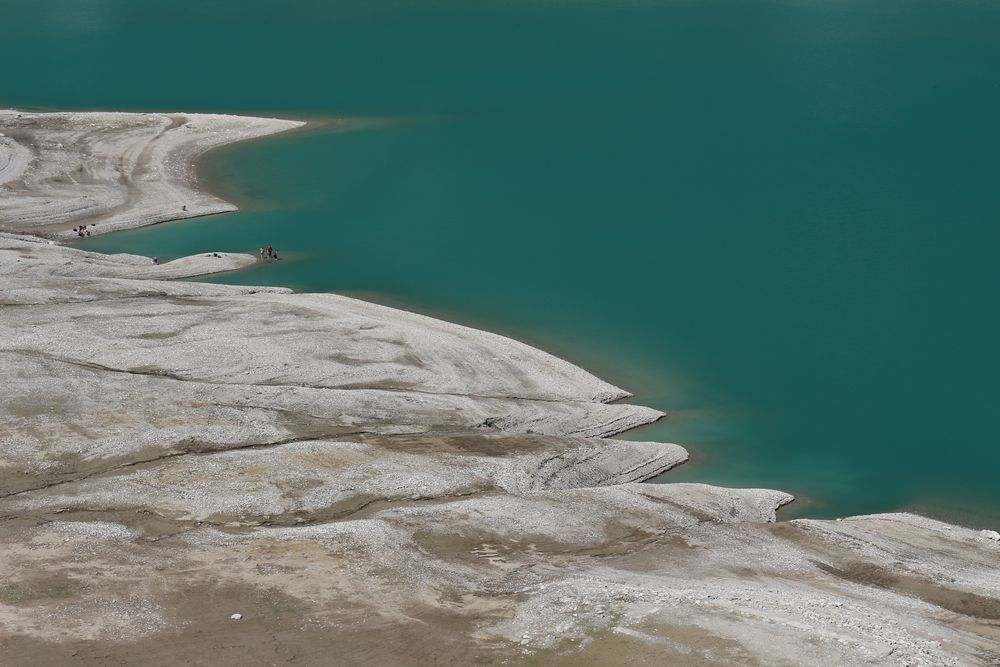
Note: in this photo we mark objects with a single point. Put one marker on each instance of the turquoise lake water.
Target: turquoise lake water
(778, 221)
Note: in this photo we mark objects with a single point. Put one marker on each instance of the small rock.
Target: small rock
(990, 535)
(237, 617)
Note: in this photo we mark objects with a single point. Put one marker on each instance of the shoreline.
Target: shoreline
(698, 456)
(76, 176)
(326, 468)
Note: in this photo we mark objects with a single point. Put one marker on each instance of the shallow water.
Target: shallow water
(776, 220)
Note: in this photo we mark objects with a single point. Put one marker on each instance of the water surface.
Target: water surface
(775, 220)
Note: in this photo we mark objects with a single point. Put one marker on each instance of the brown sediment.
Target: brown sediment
(960, 602)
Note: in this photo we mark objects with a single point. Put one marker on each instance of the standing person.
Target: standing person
(270, 250)
(262, 253)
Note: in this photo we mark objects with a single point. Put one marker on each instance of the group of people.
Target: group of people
(272, 254)
(82, 230)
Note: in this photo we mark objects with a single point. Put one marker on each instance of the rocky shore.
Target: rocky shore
(363, 485)
(110, 171)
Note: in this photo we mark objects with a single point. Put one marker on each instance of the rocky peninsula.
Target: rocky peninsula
(209, 474)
